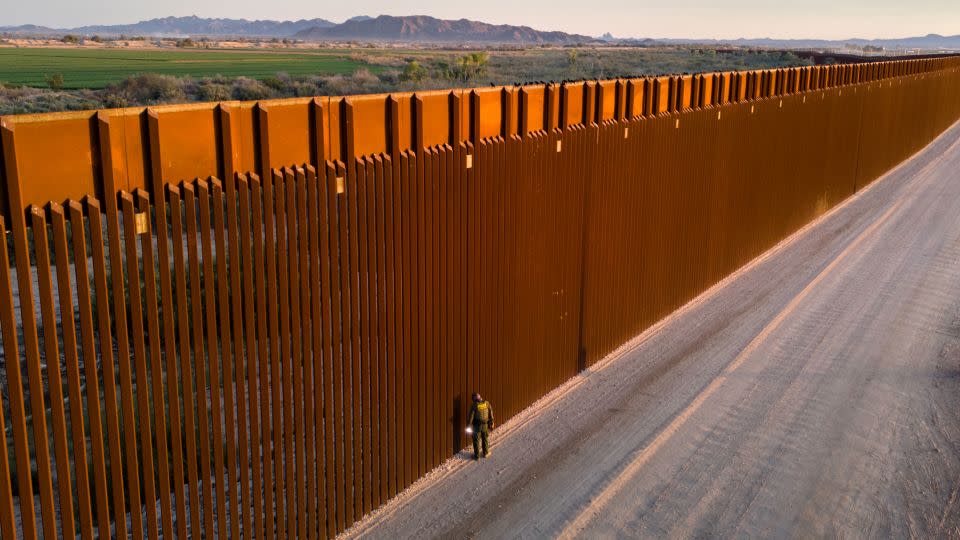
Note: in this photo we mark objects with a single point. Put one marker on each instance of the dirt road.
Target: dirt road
(815, 393)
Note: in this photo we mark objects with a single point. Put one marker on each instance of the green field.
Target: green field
(96, 68)
(108, 78)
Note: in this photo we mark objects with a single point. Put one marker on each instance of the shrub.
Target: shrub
(247, 89)
(115, 101)
(213, 92)
(275, 83)
(23, 100)
(361, 82)
(151, 88)
(55, 81)
(304, 89)
(392, 77)
(363, 77)
(413, 71)
(70, 38)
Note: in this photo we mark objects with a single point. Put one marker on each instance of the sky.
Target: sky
(729, 19)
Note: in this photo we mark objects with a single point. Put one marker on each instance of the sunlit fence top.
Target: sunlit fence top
(69, 155)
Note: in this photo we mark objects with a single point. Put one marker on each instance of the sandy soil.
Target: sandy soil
(816, 393)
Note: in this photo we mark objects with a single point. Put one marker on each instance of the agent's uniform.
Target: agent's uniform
(481, 418)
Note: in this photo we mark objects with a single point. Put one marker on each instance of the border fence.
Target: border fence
(265, 319)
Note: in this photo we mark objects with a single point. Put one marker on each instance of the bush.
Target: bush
(361, 82)
(246, 89)
(304, 89)
(413, 71)
(363, 77)
(55, 81)
(70, 38)
(392, 77)
(115, 101)
(24, 100)
(275, 83)
(213, 92)
(151, 89)
(186, 43)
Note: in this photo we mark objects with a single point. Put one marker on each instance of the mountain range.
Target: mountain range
(182, 26)
(424, 29)
(384, 28)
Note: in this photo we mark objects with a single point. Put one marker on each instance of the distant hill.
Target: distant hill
(28, 30)
(360, 28)
(423, 29)
(928, 42)
(182, 26)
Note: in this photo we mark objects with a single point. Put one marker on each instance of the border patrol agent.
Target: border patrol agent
(481, 420)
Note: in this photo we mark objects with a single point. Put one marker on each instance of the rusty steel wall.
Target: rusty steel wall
(679, 202)
(265, 319)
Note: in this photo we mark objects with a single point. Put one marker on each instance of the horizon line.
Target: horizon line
(635, 38)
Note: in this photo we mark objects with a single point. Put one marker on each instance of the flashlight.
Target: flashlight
(469, 429)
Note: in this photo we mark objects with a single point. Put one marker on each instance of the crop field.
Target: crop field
(96, 68)
(50, 79)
